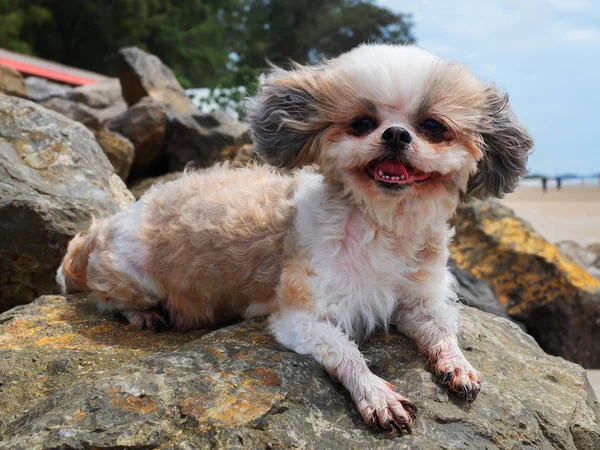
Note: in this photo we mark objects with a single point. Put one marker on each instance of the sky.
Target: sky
(544, 53)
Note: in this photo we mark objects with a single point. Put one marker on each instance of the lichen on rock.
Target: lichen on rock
(558, 300)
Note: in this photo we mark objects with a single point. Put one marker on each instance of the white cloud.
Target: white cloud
(571, 5)
(583, 35)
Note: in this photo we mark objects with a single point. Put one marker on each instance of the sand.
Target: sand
(573, 213)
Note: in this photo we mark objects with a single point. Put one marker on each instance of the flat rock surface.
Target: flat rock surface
(237, 388)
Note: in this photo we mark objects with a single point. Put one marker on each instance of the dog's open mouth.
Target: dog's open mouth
(395, 175)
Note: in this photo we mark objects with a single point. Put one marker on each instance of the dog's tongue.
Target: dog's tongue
(392, 168)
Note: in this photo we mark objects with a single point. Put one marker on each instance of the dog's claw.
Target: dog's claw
(401, 428)
(473, 394)
(447, 377)
(411, 408)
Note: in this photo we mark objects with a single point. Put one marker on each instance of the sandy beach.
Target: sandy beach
(572, 213)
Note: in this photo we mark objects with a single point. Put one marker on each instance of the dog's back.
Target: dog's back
(206, 246)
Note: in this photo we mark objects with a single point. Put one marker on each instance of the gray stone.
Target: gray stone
(99, 95)
(53, 178)
(40, 89)
(201, 138)
(74, 110)
(237, 388)
(143, 74)
(477, 293)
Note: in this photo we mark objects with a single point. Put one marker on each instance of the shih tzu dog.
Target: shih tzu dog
(396, 137)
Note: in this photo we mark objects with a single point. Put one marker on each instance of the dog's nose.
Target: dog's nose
(396, 136)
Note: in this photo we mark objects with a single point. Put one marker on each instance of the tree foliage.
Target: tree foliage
(206, 42)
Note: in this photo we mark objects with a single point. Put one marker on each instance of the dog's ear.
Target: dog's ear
(281, 117)
(506, 147)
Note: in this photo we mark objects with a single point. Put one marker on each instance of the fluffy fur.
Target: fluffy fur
(332, 255)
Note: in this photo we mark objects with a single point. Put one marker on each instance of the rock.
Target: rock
(201, 138)
(40, 89)
(477, 293)
(93, 118)
(74, 110)
(595, 249)
(237, 388)
(118, 149)
(242, 155)
(143, 74)
(556, 299)
(55, 341)
(98, 95)
(585, 257)
(53, 178)
(144, 124)
(11, 82)
(140, 188)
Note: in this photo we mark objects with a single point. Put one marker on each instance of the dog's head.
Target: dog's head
(391, 122)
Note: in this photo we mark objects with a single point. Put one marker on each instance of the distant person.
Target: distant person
(558, 183)
(544, 184)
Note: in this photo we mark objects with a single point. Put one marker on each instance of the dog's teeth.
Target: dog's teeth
(380, 173)
(402, 177)
(395, 178)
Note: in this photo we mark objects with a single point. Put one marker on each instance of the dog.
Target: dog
(384, 142)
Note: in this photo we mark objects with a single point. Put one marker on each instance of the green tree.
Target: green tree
(308, 30)
(209, 43)
(15, 16)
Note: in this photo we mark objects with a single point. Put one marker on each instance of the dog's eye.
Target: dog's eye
(433, 127)
(363, 125)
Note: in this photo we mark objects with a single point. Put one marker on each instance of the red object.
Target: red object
(43, 72)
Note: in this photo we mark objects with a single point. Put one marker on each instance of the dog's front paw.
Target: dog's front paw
(381, 407)
(459, 375)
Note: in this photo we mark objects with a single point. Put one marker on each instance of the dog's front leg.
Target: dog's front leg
(431, 320)
(377, 402)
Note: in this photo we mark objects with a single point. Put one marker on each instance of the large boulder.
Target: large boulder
(118, 149)
(143, 74)
(11, 82)
(144, 124)
(53, 178)
(237, 388)
(202, 138)
(557, 300)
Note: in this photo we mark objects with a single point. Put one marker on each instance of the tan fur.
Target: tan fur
(75, 262)
(214, 241)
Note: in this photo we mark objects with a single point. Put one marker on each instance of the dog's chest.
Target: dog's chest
(361, 271)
